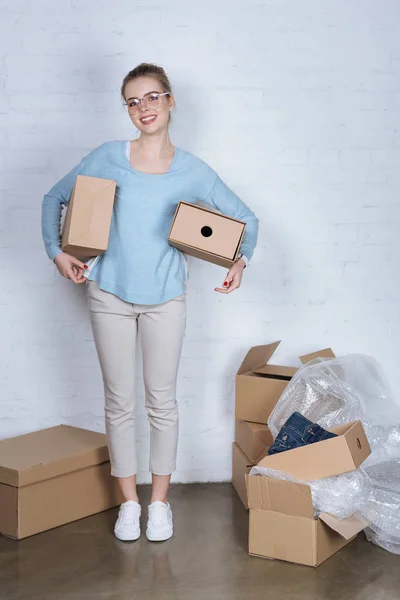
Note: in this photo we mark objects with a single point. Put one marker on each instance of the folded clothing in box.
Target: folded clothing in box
(298, 431)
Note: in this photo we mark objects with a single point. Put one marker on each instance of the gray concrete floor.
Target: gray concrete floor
(206, 559)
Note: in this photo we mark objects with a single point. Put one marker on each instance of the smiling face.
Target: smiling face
(152, 116)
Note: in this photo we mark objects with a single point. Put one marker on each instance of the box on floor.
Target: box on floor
(259, 385)
(52, 477)
(282, 523)
(206, 234)
(87, 222)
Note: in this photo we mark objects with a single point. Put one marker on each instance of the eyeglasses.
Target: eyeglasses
(149, 100)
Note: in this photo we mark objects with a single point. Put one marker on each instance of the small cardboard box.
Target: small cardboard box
(206, 234)
(330, 457)
(282, 523)
(52, 477)
(259, 385)
(87, 223)
(253, 439)
(241, 465)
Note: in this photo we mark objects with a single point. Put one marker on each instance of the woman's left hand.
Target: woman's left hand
(234, 278)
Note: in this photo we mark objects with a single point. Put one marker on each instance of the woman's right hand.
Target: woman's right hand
(70, 267)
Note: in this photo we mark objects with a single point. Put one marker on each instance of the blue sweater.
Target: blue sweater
(139, 265)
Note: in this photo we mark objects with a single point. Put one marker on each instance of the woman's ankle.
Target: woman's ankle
(131, 499)
(159, 498)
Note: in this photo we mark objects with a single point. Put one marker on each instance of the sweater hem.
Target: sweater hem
(144, 299)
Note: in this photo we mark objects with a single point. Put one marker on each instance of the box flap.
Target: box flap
(326, 353)
(347, 528)
(274, 535)
(276, 371)
(50, 452)
(257, 357)
(279, 496)
(323, 459)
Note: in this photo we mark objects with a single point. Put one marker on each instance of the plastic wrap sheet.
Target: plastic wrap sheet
(337, 391)
(340, 496)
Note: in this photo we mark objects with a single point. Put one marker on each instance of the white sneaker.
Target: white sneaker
(127, 527)
(160, 526)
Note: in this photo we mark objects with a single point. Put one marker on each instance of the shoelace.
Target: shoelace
(160, 517)
(128, 513)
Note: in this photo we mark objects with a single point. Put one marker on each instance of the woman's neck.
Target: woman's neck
(154, 147)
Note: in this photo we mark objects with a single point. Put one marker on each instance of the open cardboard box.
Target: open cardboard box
(87, 222)
(260, 385)
(206, 234)
(282, 523)
(52, 477)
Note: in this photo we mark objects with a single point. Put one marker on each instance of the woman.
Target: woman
(136, 289)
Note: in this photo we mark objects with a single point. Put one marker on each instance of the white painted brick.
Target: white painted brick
(296, 105)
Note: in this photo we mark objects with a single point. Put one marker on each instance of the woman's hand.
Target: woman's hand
(234, 278)
(70, 267)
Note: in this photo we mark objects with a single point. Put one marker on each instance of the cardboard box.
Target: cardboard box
(259, 385)
(88, 219)
(330, 457)
(206, 234)
(282, 524)
(253, 439)
(52, 477)
(241, 465)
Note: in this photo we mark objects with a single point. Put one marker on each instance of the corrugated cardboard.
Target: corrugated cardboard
(241, 465)
(259, 385)
(87, 223)
(52, 477)
(330, 457)
(282, 523)
(253, 439)
(206, 234)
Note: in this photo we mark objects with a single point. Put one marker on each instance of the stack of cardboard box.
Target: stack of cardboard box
(258, 388)
(282, 523)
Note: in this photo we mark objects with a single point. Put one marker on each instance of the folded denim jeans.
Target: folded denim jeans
(298, 431)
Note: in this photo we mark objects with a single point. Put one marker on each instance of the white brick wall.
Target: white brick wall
(295, 104)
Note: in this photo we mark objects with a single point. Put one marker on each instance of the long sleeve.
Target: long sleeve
(58, 195)
(226, 201)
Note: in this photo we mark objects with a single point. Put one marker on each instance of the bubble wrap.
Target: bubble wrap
(340, 390)
(340, 496)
